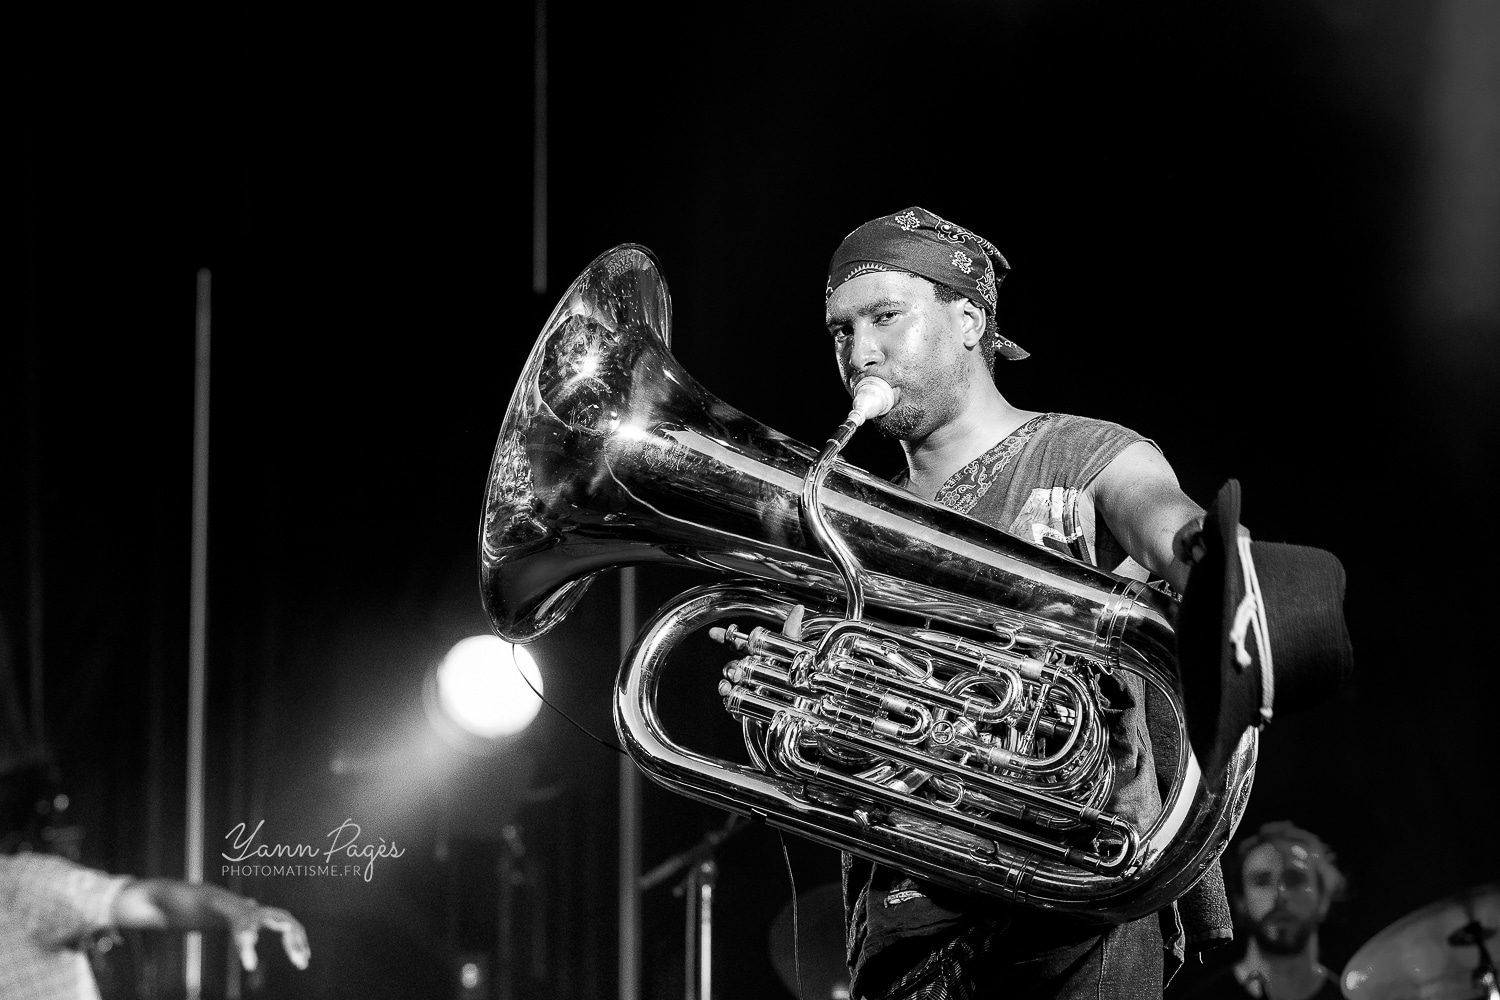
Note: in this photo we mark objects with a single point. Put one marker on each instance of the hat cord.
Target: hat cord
(1251, 614)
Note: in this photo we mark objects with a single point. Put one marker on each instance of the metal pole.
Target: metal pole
(697, 890)
(539, 155)
(198, 631)
(34, 728)
(708, 873)
(505, 978)
(691, 927)
(630, 823)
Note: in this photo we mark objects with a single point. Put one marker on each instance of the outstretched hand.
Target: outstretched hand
(245, 928)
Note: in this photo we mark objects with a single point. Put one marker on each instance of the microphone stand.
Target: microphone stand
(697, 889)
(510, 875)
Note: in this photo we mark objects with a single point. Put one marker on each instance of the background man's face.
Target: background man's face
(1282, 896)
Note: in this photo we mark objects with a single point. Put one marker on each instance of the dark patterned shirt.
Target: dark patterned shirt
(1034, 485)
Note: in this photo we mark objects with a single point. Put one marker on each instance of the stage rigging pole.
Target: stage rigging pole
(198, 631)
(630, 822)
(539, 154)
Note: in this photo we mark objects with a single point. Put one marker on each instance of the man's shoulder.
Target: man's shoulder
(1077, 438)
(1073, 423)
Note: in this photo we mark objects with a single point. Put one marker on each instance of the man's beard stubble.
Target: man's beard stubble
(901, 422)
(910, 415)
(1284, 937)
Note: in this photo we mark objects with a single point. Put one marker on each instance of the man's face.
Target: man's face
(1282, 896)
(888, 323)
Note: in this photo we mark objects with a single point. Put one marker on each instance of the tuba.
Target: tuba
(958, 731)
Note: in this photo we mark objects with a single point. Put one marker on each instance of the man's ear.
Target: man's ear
(974, 321)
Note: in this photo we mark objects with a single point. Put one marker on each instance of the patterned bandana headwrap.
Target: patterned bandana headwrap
(927, 245)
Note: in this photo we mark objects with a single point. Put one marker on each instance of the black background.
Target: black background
(1263, 236)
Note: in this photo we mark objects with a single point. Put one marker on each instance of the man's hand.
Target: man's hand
(245, 927)
(1188, 546)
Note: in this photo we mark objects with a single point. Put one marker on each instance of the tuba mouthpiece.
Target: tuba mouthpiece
(873, 397)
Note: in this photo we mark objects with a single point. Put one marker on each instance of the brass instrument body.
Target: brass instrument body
(611, 454)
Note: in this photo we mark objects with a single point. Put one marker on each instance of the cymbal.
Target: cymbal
(1429, 954)
(819, 947)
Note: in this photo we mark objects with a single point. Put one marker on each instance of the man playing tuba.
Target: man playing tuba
(911, 299)
(1124, 763)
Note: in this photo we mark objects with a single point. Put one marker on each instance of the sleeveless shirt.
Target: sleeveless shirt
(1034, 485)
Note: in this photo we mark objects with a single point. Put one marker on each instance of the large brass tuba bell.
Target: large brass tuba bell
(958, 737)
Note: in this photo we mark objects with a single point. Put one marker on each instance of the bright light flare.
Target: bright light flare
(480, 686)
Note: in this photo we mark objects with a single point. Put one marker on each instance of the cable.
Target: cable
(576, 725)
(792, 878)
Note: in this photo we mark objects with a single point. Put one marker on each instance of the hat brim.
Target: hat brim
(1283, 648)
(1216, 697)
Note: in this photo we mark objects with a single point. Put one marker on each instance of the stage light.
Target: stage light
(480, 687)
(470, 977)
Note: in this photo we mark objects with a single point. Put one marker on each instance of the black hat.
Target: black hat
(1262, 629)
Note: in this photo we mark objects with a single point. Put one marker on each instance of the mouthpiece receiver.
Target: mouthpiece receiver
(873, 397)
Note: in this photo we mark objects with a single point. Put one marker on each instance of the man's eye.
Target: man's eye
(885, 317)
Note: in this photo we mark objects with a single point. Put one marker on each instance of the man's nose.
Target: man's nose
(865, 352)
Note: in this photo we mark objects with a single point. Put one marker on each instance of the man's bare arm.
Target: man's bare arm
(1138, 496)
(171, 903)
